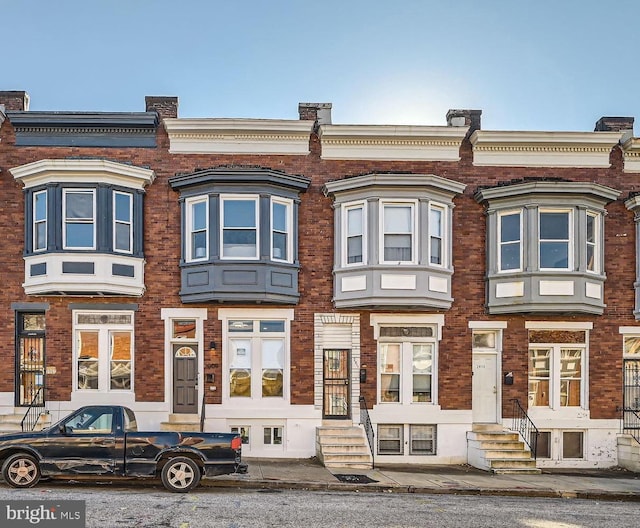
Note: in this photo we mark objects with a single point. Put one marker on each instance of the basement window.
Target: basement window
(423, 440)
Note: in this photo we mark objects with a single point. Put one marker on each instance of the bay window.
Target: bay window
(555, 239)
(398, 227)
(239, 227)
(79, 219)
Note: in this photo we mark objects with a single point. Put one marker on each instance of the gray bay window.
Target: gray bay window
(545, 246)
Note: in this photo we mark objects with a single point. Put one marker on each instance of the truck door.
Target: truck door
(84, 444)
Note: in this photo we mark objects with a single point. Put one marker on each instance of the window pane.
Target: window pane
(543, 449)
(422, 369)
(354, 222)
(554, 255)
(79, 235)
(40, 235)
(591, 221)
(199, 244)
(272, 326)
(554, 226)
(397, 247)
(484, 340)
(591, 257)
(422, 440)
(279, 217)
(239, 213)
(570, 377)
(390, 439)
(240, 368)
(632, 346)
(87, 360)
(79, 205)
(184, 329)
(390, 373)
(539, 364)
(436, 250)
(572, 444)
(121, 360)
(240, 326)
(123, 237)
(40, 206)
(397, 219)
(280, 245)
(510, 227)
(199, 216)
(354, 249)
(272, 367)
(510, 256)
(123, 207)
(435, 222)
(239, 243)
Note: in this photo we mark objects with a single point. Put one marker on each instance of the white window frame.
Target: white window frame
(444, 234)
(596, 244)
(500, 243)
(244, 197)
(37, 221)
(345, 233)
(288, 204)
(189, 217)
(92, 221)
(116, 222)
(104, 350)
(413, 204)
(555, 374)
(570, 241)
(406, 368)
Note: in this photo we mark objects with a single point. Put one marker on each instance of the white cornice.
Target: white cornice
(390, 142)
(631, 153)
(238, 136)
(82, 171)
(395, 180)
(543, 149)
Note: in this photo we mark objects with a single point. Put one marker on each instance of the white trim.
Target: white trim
(631, 155)
(629, 330)
(391, 142)
(487, 325)
(82, 170)
(558, 325)
(376, 320)
(238, 136)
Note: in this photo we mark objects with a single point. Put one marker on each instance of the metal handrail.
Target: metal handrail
(31, 417)
(631, 423)
(522, 424)
(365, 420)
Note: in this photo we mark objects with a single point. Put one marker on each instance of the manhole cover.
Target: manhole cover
(355, 479)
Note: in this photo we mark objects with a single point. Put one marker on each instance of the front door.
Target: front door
(631, 398)
(485, 388)
(337, 387)
(30, 363)
(185, 379)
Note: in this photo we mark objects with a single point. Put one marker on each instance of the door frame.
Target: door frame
(347, 380)
(168, 315)
(498, 384)
(41, 358)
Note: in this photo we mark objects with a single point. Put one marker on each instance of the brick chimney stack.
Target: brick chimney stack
(318, 112)
(470, 118)
(614, 124)
(163, 105)
(14, 100)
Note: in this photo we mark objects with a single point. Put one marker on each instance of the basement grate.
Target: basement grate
(355, 479)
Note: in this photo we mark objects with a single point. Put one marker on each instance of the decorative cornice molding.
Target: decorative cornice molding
(389, 142)
(543, 149)
(547, 188)
(238, 136)
(631, 154)
(423, 181)
(82, 171)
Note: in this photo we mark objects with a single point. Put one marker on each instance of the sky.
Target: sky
(527, 64)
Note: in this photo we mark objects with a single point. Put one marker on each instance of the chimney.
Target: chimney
(15, 100)
(614, 124)
(318, 112)
(164, 106)
(470, 118)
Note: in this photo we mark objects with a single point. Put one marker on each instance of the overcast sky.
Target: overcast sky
(527, 64)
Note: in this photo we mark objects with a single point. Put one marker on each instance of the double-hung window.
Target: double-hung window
(354, 245)
(555, 239)
(239, 227)
(198, 224)
(281, 220)
(436, 235)
(556, 376)
(40, 221)
(79, 219)
(592, 242)
(510, 241)
(122, 222)
(398, 232)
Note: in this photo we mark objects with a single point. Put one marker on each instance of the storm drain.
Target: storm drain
(355, 479)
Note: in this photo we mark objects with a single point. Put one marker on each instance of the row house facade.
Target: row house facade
(297, 281)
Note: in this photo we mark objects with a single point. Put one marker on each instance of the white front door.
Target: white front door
(485, 388)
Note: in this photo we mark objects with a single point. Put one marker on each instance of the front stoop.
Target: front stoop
(181, 423)
(628, 452)
(492, 448)
(343, 446)
(10, 423)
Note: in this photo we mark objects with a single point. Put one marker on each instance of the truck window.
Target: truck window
(91, 421)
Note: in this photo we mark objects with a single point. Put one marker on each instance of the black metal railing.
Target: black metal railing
(365, 420)
(204, 394)
(31, 417)
(631, 423)
(631, 399)
(522, 424)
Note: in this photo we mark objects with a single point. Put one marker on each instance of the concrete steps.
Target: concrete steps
(492, 448)
(343, 446)
(10, 423)
(628, 452)
(181, 423)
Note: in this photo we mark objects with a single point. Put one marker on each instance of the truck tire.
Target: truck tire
(180, 474)
(21, 471)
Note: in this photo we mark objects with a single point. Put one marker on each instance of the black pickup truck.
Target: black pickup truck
(103, 441)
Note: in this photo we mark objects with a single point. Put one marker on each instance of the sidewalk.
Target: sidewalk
(613, 484)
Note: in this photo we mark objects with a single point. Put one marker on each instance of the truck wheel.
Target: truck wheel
(180, 474)
(21, 471)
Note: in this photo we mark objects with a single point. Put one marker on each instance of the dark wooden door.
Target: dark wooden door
(337, 388)
(185, 379)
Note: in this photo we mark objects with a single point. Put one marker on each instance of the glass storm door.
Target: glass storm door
(30, 363)
(185, 379)
(336, 385)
